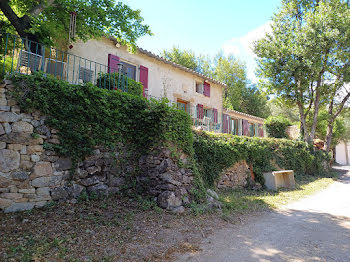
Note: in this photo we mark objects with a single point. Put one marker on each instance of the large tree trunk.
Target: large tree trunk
(329, 135)
(315, 117)
(304, 130)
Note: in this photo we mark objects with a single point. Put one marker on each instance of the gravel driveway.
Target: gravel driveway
(316, 228)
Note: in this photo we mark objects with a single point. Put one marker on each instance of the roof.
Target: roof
(242, 114)
(186, 69)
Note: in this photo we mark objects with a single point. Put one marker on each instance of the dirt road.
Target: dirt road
(316, 228)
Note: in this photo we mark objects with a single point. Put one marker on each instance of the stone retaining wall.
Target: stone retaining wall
(31, 176)
(235, 176)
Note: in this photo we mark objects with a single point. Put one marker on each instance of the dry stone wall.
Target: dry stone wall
(235, 176)
(31, 176)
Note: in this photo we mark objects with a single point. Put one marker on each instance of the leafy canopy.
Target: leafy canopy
(49, 20)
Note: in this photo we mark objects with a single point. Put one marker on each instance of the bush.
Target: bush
(86, 116)
(216, 152)
(276, 126)
(111, 81)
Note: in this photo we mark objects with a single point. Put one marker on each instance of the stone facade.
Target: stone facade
(235, 176)
(31, 176)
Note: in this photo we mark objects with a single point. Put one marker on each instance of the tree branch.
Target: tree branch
(36, 10)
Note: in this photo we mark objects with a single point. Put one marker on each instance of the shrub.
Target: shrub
(216, 152)
(276, 126)
(112, 81)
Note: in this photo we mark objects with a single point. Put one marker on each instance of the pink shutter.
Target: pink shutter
(113, 62)
(215, 114)
(206, 90)
(200, 111)
(225, 123)
(144, 79)
(261, 130)
(245, 128)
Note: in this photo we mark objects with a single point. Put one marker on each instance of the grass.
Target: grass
(245, 200)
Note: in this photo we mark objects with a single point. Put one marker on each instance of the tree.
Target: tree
(306, 52)
(47, 21)
(186, 58)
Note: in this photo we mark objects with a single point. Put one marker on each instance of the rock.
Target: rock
(35, 158)
(41, 169)
(116, 181)
(20, 176)
(63, 164)
(27, 191)
(168, 200)
(2, 145)
(4, 203)
(47, 181)
(43, 130)
(9, 160)
(9, 117)
(2, 130)
(82, 173)
(93, 169)
(21, 138)
(178, 210)
(256, 186)
(59, 193)
(8, 128)
(11, 195)
(15, 207)
(213, 194)
(40, 204)
(26, 165)
(17, 147)
(15, 109)
(22, 126)
(75, 190)
(43, 191)
(99, 189)
(90, 181)
(4, 182)
(34, 149)
(164, 165)
(168, 177)
(4, 108)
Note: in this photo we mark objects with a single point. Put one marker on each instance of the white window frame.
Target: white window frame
(196, 82)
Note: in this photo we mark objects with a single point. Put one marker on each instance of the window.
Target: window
(251, 129)
(129, 70)
(85, 74)
(207, 112)
(183, 105)
(199, 87)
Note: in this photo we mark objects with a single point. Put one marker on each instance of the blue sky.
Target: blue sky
(206, 26)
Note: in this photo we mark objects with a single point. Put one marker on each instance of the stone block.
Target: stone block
(11, 102)
(18, 147)
(21, 138)
(21, 200)
(15, 109)
(2, 130)
(9, 117)
(15, 207)
(45, 181)
(168, 200)
(4, 108)
(41, 204)
(27, 191)
(3, 101)
(4, 182)
(41, 169)
(63, 164)
(40, 198)
(4, 203)
(13, 189)
(4, 190)
(9, 160)
(26, 165)
(20, 175)
(277, 179)
(11, 195)
(2, 145)
(25, 157)
(35, 158)
(22, 126)
(34, 149)
(59, 193)
(43, 191)
(8, 128)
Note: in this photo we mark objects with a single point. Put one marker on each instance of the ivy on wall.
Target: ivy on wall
(216, 152)
(87, 116)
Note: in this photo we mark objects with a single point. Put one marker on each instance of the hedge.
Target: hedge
(216, 152)
(276, 126)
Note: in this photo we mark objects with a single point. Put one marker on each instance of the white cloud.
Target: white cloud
(241, 47)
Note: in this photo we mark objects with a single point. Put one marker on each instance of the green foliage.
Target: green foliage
(94, 19)
(111, 81)
(186, 58)
(87, 116)
(214, 153)
(276, 126)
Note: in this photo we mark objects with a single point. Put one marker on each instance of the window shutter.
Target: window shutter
(144, 79)
(200, 111)
(239, 127)
(215, 115)
(261, 130)
(206, 90)
(113, 62)
(245, 128)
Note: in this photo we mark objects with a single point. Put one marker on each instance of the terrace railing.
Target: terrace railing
(20, 55)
